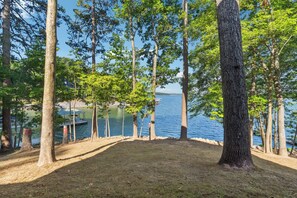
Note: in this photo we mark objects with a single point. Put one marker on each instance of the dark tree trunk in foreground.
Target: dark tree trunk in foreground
(47, 147)
(184, 115)
(6, 46)
(236, 150)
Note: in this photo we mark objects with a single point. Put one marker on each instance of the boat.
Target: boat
(67, 114)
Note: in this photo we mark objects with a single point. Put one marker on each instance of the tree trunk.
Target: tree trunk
(276, 140)
(132, 38)
(65, 134)
(47, 147)
(94, 117)
(280, 107)
(268, 135)
(236, 149)
(107, 126)
(73, 117)
(262, 133)
(294, 141)
(94, 122)
(184, 115)
(94, 132)
(26, 140)
(154, 79)
(6, 47)
(252, 93)
(123, 122)
(70, 130)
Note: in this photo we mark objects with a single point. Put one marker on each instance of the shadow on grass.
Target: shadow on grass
(92, 151)
(161, 168)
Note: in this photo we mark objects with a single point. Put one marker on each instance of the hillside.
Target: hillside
(163, 168)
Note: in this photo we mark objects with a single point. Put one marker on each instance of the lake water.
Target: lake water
(168, 121)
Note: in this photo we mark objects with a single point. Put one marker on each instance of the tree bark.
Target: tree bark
(262, 133)
(252, 93)
(6, 50)
(74, 116)
(47, 148)
(132, 38)
(26, 140)
(236, 149)
(276, 140)
(154, 79)
(65, 134)
(184, 115)
(280, 106)
(94, 117)
(294, 141)
(70, 114)
(268, 135)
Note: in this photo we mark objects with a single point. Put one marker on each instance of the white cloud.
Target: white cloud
(179, 75)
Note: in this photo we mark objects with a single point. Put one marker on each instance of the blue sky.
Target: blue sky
(64, 50)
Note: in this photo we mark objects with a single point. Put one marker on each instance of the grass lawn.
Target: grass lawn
(114, 167)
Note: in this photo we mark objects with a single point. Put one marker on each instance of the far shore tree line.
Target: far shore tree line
(243, 75)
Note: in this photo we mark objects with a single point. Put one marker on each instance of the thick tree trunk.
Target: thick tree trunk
(184, 112)
(47, 147)
(94, 117)
(6, 47)
(132, 38)
(26, 140)
(280, 107)
(236, 149)
(154, 79)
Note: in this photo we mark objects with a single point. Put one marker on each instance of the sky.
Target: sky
(64, 50)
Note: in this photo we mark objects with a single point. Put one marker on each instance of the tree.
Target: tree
(236, 150)
(159, 19)
(104, 90)
(269, 34)
(88, 32)
(6, 47)
(47, 147)
(184, 114)
(24, 28)
(129, 11)
(205, 94)
(117, 62)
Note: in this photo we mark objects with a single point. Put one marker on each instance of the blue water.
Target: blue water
(168, 121)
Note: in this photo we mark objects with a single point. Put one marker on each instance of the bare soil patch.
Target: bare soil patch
(115, 167)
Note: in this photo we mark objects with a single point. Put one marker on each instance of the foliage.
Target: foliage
(138, 99)
(159, 21)
(80, 28)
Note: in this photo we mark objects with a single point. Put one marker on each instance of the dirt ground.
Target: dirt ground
(116, 167)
